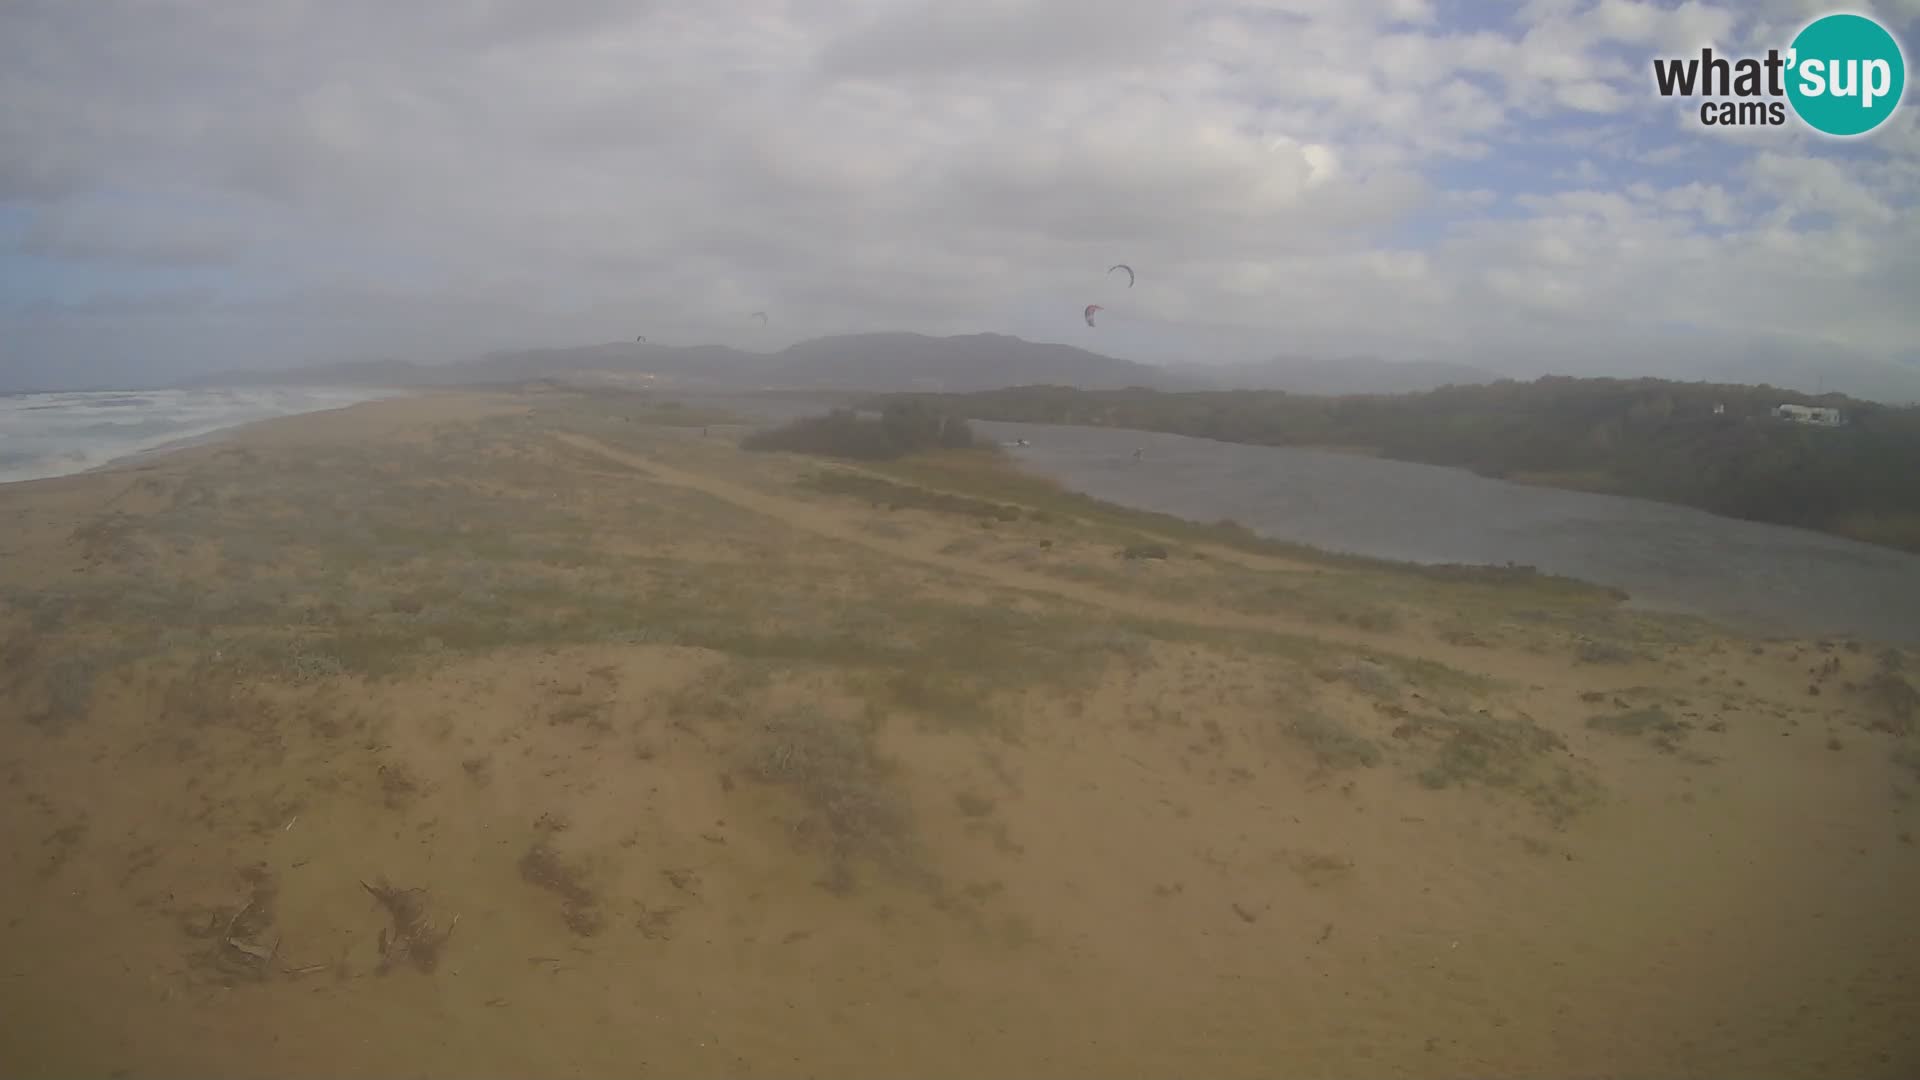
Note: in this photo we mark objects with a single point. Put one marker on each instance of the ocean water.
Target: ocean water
(44, 435)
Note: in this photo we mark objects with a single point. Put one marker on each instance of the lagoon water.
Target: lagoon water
(1767, 577)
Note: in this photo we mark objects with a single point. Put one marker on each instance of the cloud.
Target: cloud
(1346, 175)
(1804, 185)
(1004, 38)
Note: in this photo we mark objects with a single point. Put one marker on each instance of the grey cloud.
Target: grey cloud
(1004, 37)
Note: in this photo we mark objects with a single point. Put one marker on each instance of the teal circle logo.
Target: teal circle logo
(1845, 74)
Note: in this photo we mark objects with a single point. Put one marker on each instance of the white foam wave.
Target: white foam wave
(43, 435)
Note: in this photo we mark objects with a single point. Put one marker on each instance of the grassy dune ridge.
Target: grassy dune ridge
(554, 733)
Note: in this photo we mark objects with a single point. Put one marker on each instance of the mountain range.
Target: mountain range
(877, 363)
(897, 362)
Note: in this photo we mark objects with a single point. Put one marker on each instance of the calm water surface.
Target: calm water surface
(1667, 557)
(1670, 558)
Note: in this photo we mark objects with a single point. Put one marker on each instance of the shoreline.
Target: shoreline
(208, 435)
(225, 432)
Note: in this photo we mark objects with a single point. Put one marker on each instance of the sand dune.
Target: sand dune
(543, 735)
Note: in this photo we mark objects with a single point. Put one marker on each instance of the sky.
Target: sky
(192, 186)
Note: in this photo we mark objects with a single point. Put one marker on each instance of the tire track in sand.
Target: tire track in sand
(811, 519)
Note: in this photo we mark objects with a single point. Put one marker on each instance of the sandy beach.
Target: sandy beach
(551, 734)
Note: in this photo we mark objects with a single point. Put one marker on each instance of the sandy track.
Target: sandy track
(802, 516)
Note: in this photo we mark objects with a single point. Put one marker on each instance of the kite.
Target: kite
(1091, 308)
(1123, 266)
(762, 316)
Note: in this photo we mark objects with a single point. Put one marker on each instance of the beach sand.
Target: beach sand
(541, 734)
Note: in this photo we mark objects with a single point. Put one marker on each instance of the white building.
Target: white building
(1810, 414)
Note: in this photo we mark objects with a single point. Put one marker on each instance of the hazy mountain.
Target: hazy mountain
(867, 362)
(880, 363)
(977, 361)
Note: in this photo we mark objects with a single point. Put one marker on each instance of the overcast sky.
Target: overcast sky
(204, 185)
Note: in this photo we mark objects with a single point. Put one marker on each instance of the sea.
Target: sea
(43, 435)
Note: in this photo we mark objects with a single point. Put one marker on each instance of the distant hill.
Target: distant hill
(899, 362)
(876, 363)
(968, 362)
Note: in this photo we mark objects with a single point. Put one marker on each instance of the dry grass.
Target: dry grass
(542, 867)
(887, 494)
(1603, 652)
(1333, 744)
(846, 789)
(1369, 677)
(1894, 703)
(1477, 749)
(1653, 724)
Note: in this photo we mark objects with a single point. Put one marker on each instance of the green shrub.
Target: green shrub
(902, 428)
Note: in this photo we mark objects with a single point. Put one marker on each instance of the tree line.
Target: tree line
(894, 429)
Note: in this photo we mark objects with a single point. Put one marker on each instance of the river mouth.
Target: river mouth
(1761, 578)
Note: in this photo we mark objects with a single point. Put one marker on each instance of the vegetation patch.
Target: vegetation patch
(1367, 676)
(973, 805)
(1499, 753)
(1333, 744)
(1653, 724)
(896, 496)
(543, 868)
(901, 428)
(949, 700)
(1603, 652)
(1894, 701)
(832, 766)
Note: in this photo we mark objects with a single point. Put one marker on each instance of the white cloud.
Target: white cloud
(1806, 185)
(1665, 29)
(1590, 95)
(1710, 201)
(582, 168)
